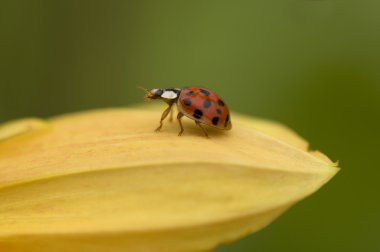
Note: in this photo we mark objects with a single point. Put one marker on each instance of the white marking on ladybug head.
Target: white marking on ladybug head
(168, 94)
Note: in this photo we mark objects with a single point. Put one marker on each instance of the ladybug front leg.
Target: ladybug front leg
(164, 115)
(203, 129)
(171, 115)
(179, 117)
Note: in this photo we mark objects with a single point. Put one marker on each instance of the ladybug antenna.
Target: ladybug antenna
(142, 88)
(147, 93)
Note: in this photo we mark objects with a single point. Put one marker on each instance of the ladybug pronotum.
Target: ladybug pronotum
(199, 104)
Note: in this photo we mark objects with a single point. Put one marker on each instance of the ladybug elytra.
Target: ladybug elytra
(197, 103)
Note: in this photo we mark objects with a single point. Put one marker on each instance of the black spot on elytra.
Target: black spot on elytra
(187, 102)
(215, 120)
(218, 111)
(206, 103)
(205, 92)
(220, 102)
(198, 113)
(227, 120)
(190, 93)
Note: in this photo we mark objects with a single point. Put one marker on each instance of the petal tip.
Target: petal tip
(20, 127)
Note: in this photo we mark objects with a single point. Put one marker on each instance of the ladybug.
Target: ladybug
(197, 103)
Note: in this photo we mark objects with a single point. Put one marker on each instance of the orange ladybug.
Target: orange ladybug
(197, 103)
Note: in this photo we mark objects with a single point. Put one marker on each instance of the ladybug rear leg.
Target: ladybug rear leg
(163, 116)
(203, 129)
(179, 117)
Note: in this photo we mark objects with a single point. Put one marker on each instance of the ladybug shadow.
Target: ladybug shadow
(191, 128)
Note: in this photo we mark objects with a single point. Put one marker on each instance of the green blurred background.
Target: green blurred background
(313, 65)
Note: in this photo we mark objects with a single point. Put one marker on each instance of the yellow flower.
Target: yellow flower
(104, 181)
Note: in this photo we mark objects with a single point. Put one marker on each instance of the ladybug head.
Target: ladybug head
(152, 94)
(165, 94)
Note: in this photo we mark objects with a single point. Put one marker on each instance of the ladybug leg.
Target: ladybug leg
(203, 129)
(171, 115)
(163, 116)
(179, 117)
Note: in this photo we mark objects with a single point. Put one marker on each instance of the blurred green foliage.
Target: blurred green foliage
(313, 65)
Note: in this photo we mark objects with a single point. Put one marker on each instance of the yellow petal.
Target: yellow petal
(104, 181)
(21, 127)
